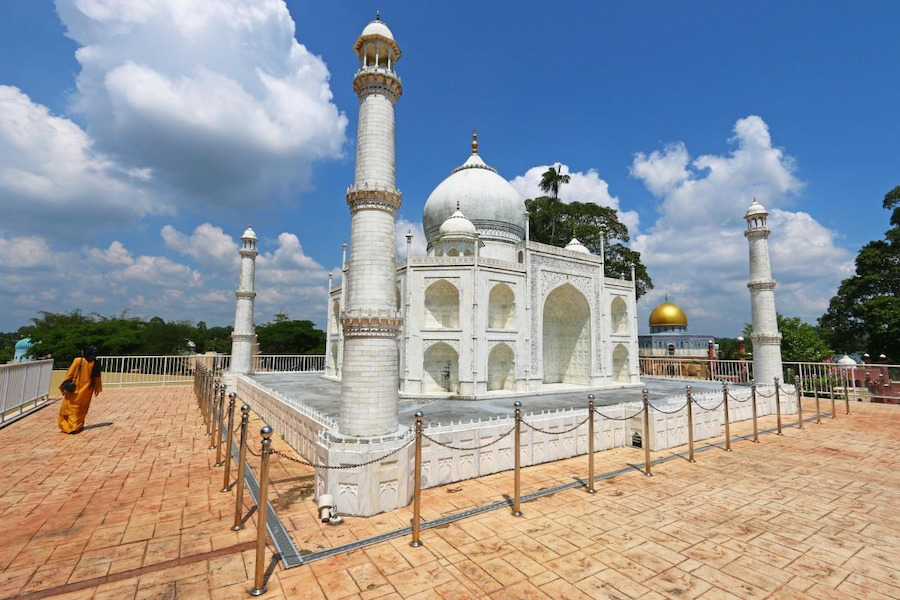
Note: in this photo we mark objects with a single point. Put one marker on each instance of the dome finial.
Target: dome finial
(377, 15)
(474, 142)
(667, 297)
(457, 204)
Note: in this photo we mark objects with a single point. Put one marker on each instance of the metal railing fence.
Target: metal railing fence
(136, 371)
(874, 382)
(23, 383)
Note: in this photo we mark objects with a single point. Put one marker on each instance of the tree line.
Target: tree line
(62, 335)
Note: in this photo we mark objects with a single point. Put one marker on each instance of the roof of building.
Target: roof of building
(755, 209)
(249, 234)
(576, 246)
(668, 314)
(458, 225)
(486, 198)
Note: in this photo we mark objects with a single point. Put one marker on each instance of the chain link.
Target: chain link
(608, 418)
(761, 395)
(736, 399)
(659, 410)
(716, 407)
(451, 447)
(556, 432)
(339, 467)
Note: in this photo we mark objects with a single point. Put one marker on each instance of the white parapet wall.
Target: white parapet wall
(463, 450)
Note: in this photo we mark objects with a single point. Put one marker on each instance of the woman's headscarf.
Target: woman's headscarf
(90, 355)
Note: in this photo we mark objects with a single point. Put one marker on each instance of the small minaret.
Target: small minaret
(766, 338)
(243, 336)
(369, 317)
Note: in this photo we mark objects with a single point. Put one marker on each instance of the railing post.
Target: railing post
(778, 405)
(227, 477)
(690, 418)
(517, 451)
(831, 382)
(242, 460)
(645, 442)
(220, 425)
(727, 418)
(846, 391)
(799, 402)
(816, 394)
(590, 481)
(417, 484)
(211, 408)
(753, 402)
(259, 584)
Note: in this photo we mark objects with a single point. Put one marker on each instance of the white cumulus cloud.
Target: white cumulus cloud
(419, 243)
(583, 186)
(53, 176)
(696, 250)
(216, 97)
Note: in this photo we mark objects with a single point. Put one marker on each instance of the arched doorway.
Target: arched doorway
(441, 369)
(567, 337)
(619, 313)
(335, 365)
(442, 305)
(501, 307)
(620, 365)
(501, 368)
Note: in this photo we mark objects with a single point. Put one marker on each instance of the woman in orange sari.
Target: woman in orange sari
(85, 374)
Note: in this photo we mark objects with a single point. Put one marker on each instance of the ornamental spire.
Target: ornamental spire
(474, 142)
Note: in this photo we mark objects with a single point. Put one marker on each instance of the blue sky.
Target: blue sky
(143, 158)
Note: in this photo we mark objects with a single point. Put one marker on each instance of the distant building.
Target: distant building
(23, 349)
(669, 336)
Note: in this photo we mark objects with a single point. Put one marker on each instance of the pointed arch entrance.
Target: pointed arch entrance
(620, 365)
(501, 368)
(567, 337)
(441, 369)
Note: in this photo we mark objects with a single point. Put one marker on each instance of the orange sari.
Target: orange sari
(75, 405)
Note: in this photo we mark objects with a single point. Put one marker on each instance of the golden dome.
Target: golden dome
(668, 315)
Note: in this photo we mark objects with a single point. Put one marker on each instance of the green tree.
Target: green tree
(864, 315)
(290, 337)
(597, 227)
(551, 182)
(728, 348)
(800, 341)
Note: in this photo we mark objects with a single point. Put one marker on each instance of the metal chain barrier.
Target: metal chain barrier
(608, 418)
(451, 447)
(716, 407)
(659, 410)
(761, 395)
(736, 399)
(338, 467)
(530, 426)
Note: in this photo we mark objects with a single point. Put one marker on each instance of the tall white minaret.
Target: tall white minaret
(243, 334)
(766, 338)
(370, 320)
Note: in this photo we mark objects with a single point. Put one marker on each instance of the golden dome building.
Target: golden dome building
(669, 336)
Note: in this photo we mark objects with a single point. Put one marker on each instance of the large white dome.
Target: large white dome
(488, 200)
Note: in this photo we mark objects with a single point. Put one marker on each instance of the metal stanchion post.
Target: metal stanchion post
(778, 405)
(242, 460)
(690, 424)
(816, 395)
(417, 478)
(727, 418)
(645, 441)
(259, 584)
(227, 477)
(517, 451)
(590, 481)
(846, 392)
(831, 382)
(211, 409)
(753, 402)
(220, 427)
(799, 402)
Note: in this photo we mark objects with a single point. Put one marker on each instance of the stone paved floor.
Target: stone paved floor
(133, 510)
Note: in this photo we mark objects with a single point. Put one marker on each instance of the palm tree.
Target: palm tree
(551, 181)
